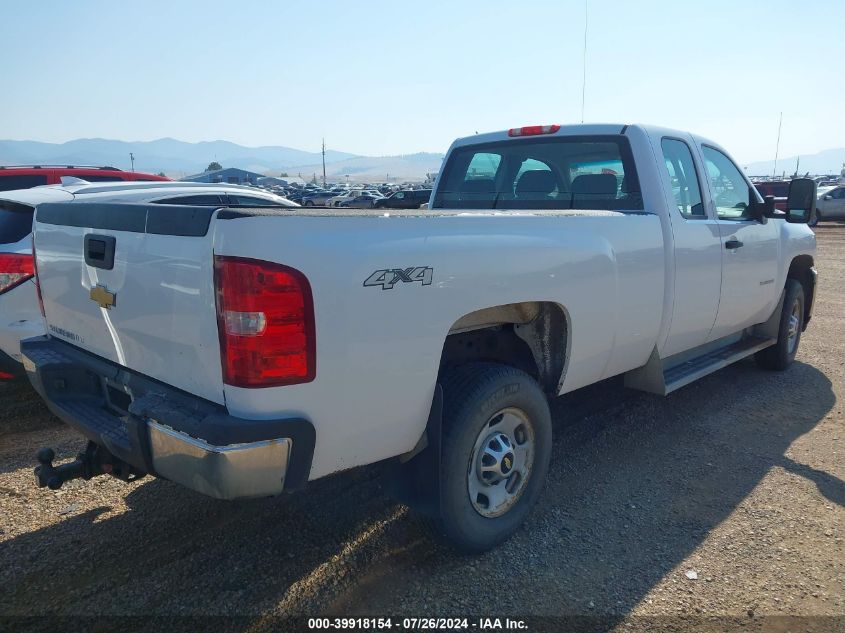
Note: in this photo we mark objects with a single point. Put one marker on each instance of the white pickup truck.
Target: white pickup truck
(244, 352)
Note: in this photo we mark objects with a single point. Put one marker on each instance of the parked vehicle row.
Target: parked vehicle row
(365, 198)
(312, 194)
(244, 353)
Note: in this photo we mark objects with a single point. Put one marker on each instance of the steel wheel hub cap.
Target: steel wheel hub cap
(501, 462)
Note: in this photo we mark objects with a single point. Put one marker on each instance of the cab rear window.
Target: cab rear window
(15, 222)
(569, 172)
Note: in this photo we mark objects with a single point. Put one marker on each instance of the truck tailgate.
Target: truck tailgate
(133, 284)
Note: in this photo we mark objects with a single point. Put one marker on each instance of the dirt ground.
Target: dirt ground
(725, 499)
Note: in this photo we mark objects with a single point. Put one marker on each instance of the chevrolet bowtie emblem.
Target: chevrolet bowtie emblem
(103, 297)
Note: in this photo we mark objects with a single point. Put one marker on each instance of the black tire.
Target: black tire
(780, 355)
(817, 217)
(473, 395)
(309, 203)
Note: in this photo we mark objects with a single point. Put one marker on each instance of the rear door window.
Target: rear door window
(683, 178)
(16, 181)
(566, 172)
(15, 222)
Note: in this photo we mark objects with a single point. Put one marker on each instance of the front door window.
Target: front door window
(731, 192)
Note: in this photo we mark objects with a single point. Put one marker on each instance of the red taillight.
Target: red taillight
(14, 270)
(265, 318)
(533, 130)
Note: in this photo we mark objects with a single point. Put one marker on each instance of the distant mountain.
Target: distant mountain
(829, 161)
(166, 154)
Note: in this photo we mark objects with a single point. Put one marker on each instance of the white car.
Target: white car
(830, 203)
(20, 316)
(350, 195)
(243, 353)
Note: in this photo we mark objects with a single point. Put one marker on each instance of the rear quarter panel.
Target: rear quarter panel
(378, 351)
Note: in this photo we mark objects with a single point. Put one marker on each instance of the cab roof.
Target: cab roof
(579, 129)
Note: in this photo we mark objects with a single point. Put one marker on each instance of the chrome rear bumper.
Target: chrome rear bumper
(166, 432)
(253, 469)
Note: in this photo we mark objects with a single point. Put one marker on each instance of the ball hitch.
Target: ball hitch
(86, 465)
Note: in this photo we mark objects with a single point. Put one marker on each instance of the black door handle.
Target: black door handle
(733, 243)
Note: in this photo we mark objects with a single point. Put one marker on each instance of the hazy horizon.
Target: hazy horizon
(381, 78)
(828, 160)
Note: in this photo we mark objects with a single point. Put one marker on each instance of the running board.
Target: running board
(654, 377)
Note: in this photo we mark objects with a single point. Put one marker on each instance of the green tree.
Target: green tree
(162, 174)
(214, 166)
(284, 174)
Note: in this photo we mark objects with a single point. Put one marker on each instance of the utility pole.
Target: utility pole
(324, 161)
(584, 62)
(132, 158)
(777, 148)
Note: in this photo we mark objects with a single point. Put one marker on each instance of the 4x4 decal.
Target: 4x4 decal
(389, 278)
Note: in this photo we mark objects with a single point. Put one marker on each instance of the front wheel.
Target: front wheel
(497, 442)
(817, 217)
(780, 355)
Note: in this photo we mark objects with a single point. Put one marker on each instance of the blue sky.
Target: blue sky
(389, 77)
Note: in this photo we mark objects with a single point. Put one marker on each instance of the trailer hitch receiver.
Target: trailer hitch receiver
(90, 463)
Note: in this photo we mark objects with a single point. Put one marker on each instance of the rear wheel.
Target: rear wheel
(496, 450)
(780, 355)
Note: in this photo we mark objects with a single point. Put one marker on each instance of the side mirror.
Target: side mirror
(768, 206)
(828, 197)
(801, 201)
(761, 210)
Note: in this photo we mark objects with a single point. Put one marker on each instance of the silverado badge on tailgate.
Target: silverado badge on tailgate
(104, 298)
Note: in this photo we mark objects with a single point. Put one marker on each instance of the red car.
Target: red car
(24, 177)
(777, 188)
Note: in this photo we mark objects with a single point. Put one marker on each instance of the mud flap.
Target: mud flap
(416, 482)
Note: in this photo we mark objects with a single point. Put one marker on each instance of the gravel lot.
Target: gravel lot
(725, 499)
